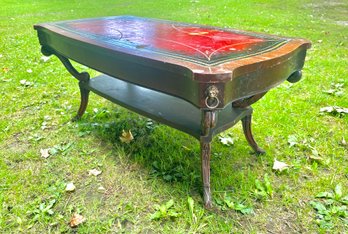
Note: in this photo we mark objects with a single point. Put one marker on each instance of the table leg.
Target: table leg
(246, 122)
(84, 101)
(82, 77)
(209, 120)
(205, 158)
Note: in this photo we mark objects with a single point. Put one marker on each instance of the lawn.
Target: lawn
(153, 185)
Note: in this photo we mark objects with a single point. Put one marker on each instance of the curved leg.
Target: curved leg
(246, 122)
(205, 158)
(209, 119)
(84, 102)
(83, 78)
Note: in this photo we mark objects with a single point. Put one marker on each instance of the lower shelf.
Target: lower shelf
(161, 107)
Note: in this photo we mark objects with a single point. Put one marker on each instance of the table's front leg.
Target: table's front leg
(209, 119)
(84, 101)
(205, 160)
(83, 78)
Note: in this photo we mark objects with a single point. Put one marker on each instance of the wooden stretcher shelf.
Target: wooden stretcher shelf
(161, 107)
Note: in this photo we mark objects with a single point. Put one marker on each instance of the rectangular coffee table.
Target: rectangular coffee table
(198, 79)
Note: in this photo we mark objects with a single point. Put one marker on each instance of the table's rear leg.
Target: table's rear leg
(246, 122)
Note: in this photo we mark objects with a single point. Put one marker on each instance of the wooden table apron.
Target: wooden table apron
(198, 79)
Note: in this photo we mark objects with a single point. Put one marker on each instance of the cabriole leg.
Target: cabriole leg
(82, 77)
(84, 101)
(209, 120)
(246, 122)
(205, 158)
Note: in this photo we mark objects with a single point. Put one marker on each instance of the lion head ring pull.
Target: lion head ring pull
(212, 101)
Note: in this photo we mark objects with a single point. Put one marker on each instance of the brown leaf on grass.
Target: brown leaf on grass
(279, 166)
(343, 142)
(45, 153)
(76, 220)
(126, 137)
(315, 158)
(94, 172)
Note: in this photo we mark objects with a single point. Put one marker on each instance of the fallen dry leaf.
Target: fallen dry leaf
(76, 220)
(5, 80)
(101, 189)
(292, 140)
(45, 153)
(94, 172)
(279, 166)
(334, 110)
(25, 82)
(70, 187)
(315, 158)
(44, 58)
(226, 140)
(343, 142)
(126, 137)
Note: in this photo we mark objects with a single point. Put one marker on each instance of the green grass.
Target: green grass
(163, 164)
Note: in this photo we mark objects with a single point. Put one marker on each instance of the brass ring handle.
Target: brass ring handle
(215, 100)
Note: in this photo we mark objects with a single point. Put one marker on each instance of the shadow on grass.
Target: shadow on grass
(168, 154)
(164, 152)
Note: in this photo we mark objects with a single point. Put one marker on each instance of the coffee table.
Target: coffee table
(195, 78)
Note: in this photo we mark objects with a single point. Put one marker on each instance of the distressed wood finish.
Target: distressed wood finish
(195, 78)
(205, 158)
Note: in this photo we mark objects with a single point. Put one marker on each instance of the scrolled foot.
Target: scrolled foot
(76, 118)
(259, 150)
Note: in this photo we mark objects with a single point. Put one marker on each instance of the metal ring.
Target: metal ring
(214, 106)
